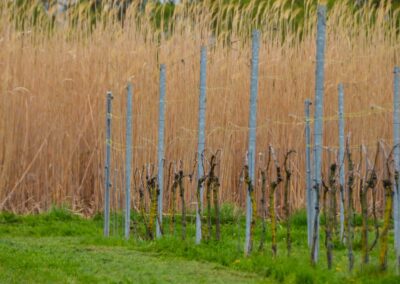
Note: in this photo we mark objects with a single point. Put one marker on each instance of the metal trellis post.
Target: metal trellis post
(107, 166)
(309, 193)
(201, 141)
(341, 157)
(252, 130)
(318, 115)
(161, 130)
(396, 134)
(128, 160)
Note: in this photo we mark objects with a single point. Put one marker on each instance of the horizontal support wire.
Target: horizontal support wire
(232, 127)
(300, 120)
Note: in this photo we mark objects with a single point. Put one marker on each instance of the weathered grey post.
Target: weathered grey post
(252, 131)
(309, 193)
(318, 117)
(341, 157)
(161, 129)
(128, 160)
(116, 201)
(201, 138)
(107, 166)
(396, 134)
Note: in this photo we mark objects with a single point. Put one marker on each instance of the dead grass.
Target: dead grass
(52, 108)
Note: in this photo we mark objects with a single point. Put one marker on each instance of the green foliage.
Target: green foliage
(230, 213)
(57, 222)
(66, 260)
(60, 214)
(9, 218)
(28, 14)
(87, 14)
(65, 245)
(299, 218)
(162, 16)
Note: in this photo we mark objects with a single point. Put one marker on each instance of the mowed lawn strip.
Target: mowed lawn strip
(59, 246)
(67, 260)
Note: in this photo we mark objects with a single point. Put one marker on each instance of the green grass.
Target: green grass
(67, 260)
(61, 247)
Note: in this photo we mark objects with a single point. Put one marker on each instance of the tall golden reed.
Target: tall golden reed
(53, 83)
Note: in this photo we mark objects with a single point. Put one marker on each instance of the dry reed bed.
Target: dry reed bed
(52, 109)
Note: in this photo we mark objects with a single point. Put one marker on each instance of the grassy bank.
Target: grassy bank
(67, 260)
(60, 247)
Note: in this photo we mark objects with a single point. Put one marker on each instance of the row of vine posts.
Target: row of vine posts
(150, 183)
